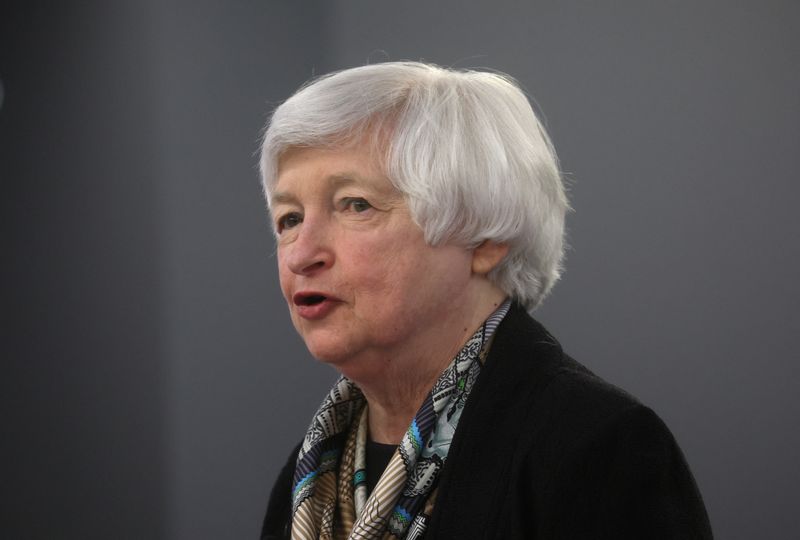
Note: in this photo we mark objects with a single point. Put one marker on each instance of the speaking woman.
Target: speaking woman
(419, 217)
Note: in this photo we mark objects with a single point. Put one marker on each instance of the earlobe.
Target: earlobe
(487, 256)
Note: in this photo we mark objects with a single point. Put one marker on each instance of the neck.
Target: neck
(389, 418)
(397, 391)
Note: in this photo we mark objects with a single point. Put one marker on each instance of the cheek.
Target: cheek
(372, 266)
(404, 280)
(394, 263)
(284, 278)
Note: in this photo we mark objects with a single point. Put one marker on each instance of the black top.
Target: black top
(377, 458)
(547, 450)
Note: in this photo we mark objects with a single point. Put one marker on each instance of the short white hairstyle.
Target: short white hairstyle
(464, 147)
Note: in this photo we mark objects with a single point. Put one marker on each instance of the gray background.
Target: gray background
(152, 384)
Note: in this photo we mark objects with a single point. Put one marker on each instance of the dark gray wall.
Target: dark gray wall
(83, 381)
(153, 380)
(142, 327)
(233, 382)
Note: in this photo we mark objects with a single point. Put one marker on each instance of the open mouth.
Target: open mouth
(309, 299)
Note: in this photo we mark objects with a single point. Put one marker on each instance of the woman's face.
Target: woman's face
(363, 287)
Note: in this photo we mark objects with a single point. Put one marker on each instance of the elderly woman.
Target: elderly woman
(419, 217)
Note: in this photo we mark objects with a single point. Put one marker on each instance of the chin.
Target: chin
(340, 356)
(329, 352)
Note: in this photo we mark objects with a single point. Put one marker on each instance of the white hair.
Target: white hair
(464, 147)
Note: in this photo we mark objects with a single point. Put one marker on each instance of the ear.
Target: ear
(488, 255)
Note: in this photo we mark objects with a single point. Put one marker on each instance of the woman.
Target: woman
(419, 215)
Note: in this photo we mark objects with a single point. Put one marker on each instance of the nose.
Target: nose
(311, 250)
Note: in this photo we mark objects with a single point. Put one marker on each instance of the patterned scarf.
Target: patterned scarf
(329, 499)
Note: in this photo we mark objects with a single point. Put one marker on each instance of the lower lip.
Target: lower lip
(316, 311)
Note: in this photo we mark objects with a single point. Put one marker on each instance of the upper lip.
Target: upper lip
(305, 298)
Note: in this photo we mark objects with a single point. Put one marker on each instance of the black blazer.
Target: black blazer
(547, 450)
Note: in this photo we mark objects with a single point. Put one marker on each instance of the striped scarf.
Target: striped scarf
(329, 498)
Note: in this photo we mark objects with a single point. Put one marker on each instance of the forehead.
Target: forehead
(302, 169)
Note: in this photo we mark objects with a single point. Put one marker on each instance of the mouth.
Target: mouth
(313, 305)
(309, 298)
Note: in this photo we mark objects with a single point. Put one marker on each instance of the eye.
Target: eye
(356, 204)
(288, 221)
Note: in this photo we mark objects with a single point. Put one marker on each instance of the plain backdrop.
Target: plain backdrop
(151, 382)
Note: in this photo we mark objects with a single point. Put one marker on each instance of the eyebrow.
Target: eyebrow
(335, 180)
(280, 197)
